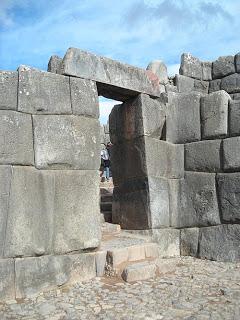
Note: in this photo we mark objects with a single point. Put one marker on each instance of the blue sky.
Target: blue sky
(131, 31)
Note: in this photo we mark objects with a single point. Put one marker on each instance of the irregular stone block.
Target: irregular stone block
(183, 118)
(184, 84)
(237, 62)
(214, 115)
(16, 138)
(7, 278)
(168, 241)
(160, 69)
(55, 64)
(190, 66)
(84, 97)
(201, 86)
(231, 83)
(234, 117)
(8, 90)
(38, 274)
(115, 80)
(193, 201)
(223, 66)
(139, 271)
(43, 92)
(220, 243)
(206, 70)
(189, 242)
(171, 88)
(137, 117)
(229, 196)
(203, 156)
(66, 142)
(231, 156)
(214, 85)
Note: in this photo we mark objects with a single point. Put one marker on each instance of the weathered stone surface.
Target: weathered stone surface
(214, 115)
(231, 83)
(137, 117)
(237, 62)
(234, 117)
(220, 243)
(111, 73)
(190, 66)
(101, 258)
(183, 118)
(235, 96)
(203, 156)
(151, 250)
(223, 66)
(168, 241)
(171, 88)
(139, 271)
(214, 85)
(206, 70)
(8, 90)
(229, 196)
(189, 242)
(84, 97)
(7, 288)
(136, 253)
(34, 275)
(117, 256)
(184, 83)
(55, 64)
(66, 142)
(201, 86)
(160, 69)
(16, 138)
(231, 156)
(193, 200)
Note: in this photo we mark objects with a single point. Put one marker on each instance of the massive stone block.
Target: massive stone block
(214, 85)
(115, 80)
(190, 66)
(55, 64)
(193, 201)
(84, 97)
(183, 118)
(137, 117)
(231, 156)
(234, 117)
(231, 83)
(7, 278)
(43, 92)
(214, 115)
(223, 66)
(220, 243)
(66, 142)
(229, 196)
(160, 69)
(8, 90)
(203, 156)
(16, 138)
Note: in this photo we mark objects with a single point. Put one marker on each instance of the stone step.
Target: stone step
(106, 198)
(105, 206)
(139, 271)
(110, 228)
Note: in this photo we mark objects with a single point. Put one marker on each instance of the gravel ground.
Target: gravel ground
(189, 289)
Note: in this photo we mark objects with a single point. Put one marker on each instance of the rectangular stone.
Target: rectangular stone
(220, 243)
(16, 138)
(7, 279)
(229, 196)
(139, 271)
(203, 156)
(114, 79)
(8, 90)
(66, 142)
(189, 242)
(184, 83)
(231, 83)
(193, 201)
(190, 66)
(214, 85)
(183, 118)
(42, 92)
(84, 97)
(201, 86)
(206, 70)
(223, 66)
(234, 117)
(168, 241)
(214, 115)
(231, 156)
(38, 274)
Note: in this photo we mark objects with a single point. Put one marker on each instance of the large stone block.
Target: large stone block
(220, 243)
(183, 118)
(214, 115)
(66, 142)
(8, 90)
(223, 66)
(137, 117)
(16, 138)
(38, 274)
(189, 242)
(214, 85)
(55, 64)
(190, 66)
(43, 92)
(234, 117)
(115, 80)
(229, 196)
(159, 68)
(7, 278)
(184, 83)
(193, 201)
(84, 97)
(203, 156)
(231, 83)
(231, 156)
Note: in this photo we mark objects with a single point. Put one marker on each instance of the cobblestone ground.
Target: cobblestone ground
(193, 289)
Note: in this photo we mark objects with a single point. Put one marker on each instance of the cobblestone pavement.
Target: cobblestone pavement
(187, 289)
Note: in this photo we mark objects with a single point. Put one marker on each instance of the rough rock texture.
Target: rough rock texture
(16, 138)
(214, 115)
(66, 142)
(231, 83)
(206, 70)
(220, 243)
(214, 85)
(183, 118)
(184, 83)
(43, 92)
(7, 278)
(168, 241)
(203, 156)
(160, 69)
(193, 201)
(139, 271)
(223, 66)
(231, 156)
(55, 64)
(234, 117)
(190, 66)
(189, 242)
(237, 62)
(8, 90)
(201, 86)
